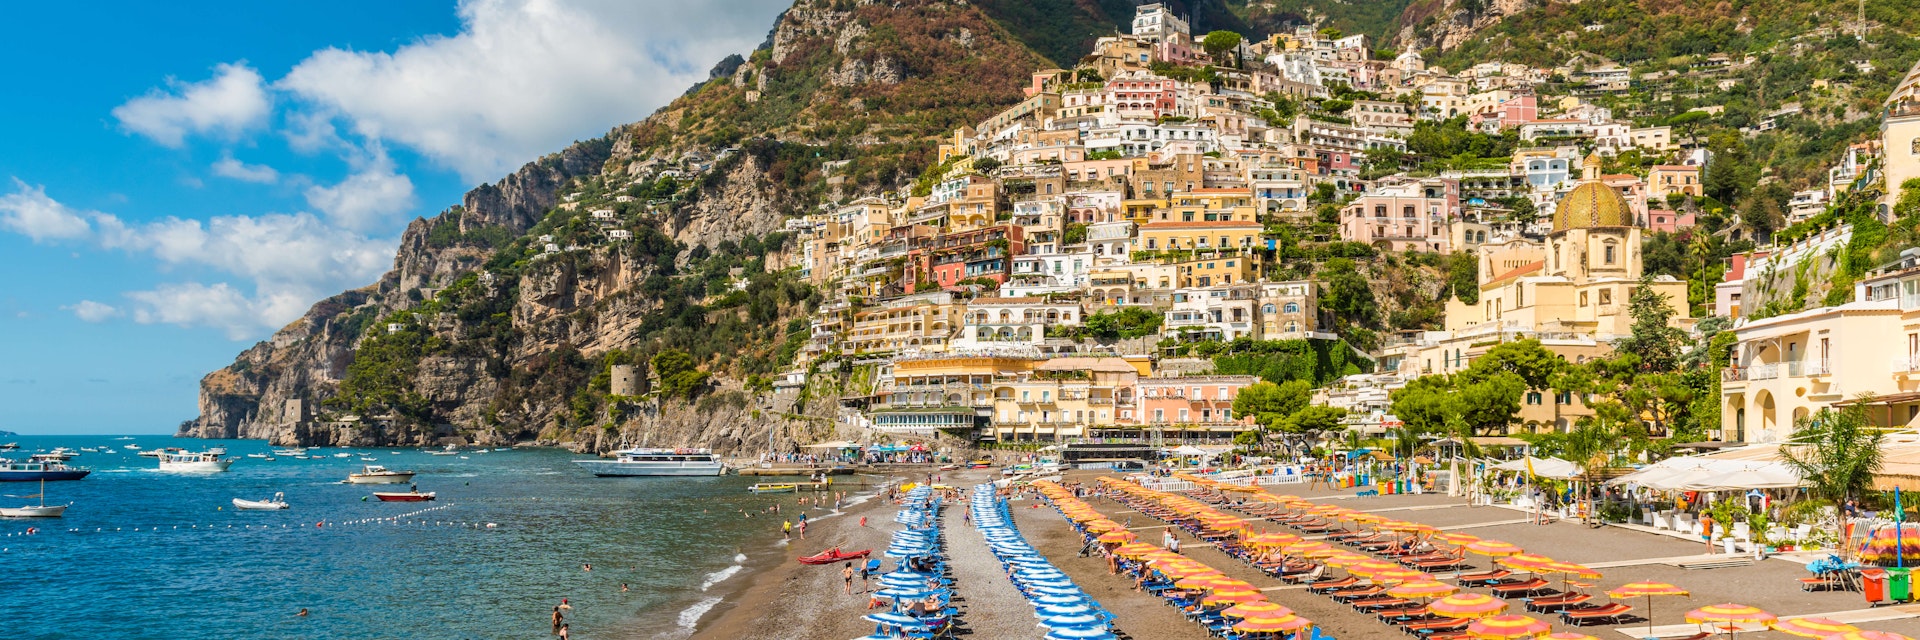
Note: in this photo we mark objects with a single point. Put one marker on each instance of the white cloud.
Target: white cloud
(290, 260)
(91, 311)
(373, 191)
(312, 131)
(228, 167)
(526, 77)
(29, 212)
(228, 104)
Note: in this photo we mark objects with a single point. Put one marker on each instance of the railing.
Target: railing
(1817, 367)
(1906, 363)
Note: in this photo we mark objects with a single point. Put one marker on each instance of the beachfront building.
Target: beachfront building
(1012, 321)
(1787, 367)
(921, 321)
(1192, 407)
(944, 391)
(1900, 137)
(1063, 398)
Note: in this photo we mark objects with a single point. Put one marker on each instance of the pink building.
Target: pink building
(1670, 221)
(1136, 93)
(1404, 216)
(1197, 404)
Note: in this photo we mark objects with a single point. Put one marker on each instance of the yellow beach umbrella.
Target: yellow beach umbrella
(1257, 608)
(1274, 624)
(1240, 596)
(1422, 589)
(1812, 627)
(1468, 605)
(1117, 537)
(1508, 628)
(1647, 590)
(1728, 614)
(1492, 548)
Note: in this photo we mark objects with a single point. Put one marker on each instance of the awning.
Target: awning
(1543, 467)
(1744, 468)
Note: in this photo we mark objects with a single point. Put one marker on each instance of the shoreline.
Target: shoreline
(771, 585)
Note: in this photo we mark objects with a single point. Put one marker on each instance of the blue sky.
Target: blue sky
(174, 185)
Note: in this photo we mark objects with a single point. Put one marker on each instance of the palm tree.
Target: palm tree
(1591, 445)
(1836, 454)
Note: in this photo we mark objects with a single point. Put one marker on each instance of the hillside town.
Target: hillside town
(1062, 271)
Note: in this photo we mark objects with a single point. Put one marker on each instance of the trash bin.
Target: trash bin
(1899, 584)
(1873, 584)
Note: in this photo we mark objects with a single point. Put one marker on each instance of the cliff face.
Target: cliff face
(1446, 24)
(501, 316)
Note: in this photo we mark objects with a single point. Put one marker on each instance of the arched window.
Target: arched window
(1267, 309)
(1609, 249)
(1293, 307)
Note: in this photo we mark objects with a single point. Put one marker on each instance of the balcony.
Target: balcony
(1906, 364)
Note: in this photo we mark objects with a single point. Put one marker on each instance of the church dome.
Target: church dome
(1592, 204)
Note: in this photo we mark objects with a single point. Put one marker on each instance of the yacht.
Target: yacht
(656, 462)
(42, 510)
(191, 462)
(30, 470)
(376, 474)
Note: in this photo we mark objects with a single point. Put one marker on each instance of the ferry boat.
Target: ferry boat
(191, 462)
(31, 470)
(376, 474)
(656, 462)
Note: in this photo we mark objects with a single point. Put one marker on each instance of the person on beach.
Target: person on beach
(563, 632)
(786, 529)
(557, 619)
(864, 574)
(803, 528)
(623, 587)
(847, 573)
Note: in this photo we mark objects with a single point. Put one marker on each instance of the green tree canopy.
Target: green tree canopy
(1220, 43)
(1654, 343)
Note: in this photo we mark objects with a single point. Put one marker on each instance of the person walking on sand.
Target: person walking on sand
(846, 573)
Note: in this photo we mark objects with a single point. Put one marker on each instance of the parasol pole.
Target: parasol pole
(1899, 526)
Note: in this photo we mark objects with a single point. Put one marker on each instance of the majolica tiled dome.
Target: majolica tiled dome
(1592, 204)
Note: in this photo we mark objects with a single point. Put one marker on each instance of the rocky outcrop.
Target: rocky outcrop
(521, 199)
(1449, 23)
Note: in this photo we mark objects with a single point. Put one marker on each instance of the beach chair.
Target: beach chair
(1535, 586)
(1550, 604)
(1368, 605)
(1610, 613)
(1437, 625)
(1484, 578)
(1325, 586)
(1351, 594)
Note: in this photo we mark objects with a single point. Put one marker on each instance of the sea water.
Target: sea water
(145, 554)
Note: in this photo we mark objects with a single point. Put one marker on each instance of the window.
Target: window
(1606, 296)
(1026, 396)
(1583, 298)
(1183, 415)
(1293, 307)
(1609, 250)
(1159, 415)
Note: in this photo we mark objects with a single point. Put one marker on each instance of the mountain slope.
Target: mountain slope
(504, 316)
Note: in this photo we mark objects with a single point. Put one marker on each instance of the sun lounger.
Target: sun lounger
(1350, 594)
(1550, 604)
(1329, 585)
(1488, 577)
(1524, 588)
(1612, 613)
(1438, 625)
(1381, 602)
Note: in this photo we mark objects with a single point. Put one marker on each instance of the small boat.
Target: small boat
(12, 470)
(218, 451)
(656, 462)
(833, 555)
(42, 510)
(190, 462)
(343, 455)
(271, 458)
(296, 451)
(376, 474)
(278, 502)
(155, 453)
(774, 487)
(442, 453)
(394, 453)
(368, 458)
(410, 496)
(131, 447)
(11, 446)
(257, 455)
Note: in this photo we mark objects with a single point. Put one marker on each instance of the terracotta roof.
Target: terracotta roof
(1521, 271)
(1100, 365)
(1201, 224)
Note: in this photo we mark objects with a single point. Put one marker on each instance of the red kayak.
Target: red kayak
(403, 497)
(833, 555)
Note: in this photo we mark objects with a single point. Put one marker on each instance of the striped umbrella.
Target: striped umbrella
(1236, 596)
(1200, 581)
(1868, 635)
(1569, 635)
(1468, 605)
(1526, 561)
(1399, 575)
(1812, 627)
(1117, 537)
(1272, 540)
(1422, 589)
(1257, 608)
(1135, 550)
(1887, 544)
(1457, 538)
(1272, 624)
(1568, 571)
(1102, 526)
(1313, 550)
(1370, 567)
(1492, 548)
(1647, 590)
(1728, 613)
(1346, 559)
(1508, 628)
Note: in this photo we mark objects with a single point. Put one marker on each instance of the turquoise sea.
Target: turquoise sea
(144, 554)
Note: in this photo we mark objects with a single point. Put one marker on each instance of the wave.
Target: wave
(691, 615)
(717, 576)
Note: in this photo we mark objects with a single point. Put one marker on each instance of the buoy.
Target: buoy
(317, 525)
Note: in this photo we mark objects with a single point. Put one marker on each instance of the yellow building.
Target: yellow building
(1063, 398)
(1589, 265)
(1231, 235)
(1207, 272)
(1900, 136)
(923, 321)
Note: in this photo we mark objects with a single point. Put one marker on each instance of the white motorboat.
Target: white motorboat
(368, 458)
(10, 446)
(343, 455)
(218, 451)
(131, 447)
(376, 474)
(155, 453)
(191, 462)
(656, 462)
(296, 451)
(42, 510)
(278, 502)
(257, 455)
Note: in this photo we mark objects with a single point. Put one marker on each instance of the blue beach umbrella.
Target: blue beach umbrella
(1088, 633)
(1063, 599)
(893, 619)
(1075, 621)
(1061, 610)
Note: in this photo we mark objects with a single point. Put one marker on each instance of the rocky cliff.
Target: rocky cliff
(1446, 24)
(503, 315)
